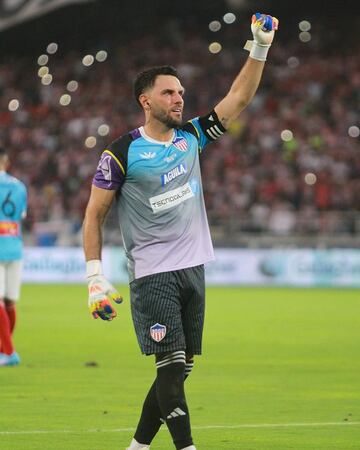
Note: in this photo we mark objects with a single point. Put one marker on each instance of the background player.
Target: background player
(13, 201)
(154, 174)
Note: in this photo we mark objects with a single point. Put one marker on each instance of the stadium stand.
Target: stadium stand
(289, 169)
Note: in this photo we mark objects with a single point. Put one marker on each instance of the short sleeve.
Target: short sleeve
(111, 170)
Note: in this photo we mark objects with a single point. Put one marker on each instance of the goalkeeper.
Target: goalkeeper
(153, 173)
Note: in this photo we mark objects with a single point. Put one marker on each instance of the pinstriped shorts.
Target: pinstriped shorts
(168, 310)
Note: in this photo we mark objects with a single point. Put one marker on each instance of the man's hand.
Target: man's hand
(101, 292)
(263, 29)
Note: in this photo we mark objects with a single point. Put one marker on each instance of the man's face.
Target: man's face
(165, 100)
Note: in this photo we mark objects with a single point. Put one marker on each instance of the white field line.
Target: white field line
(200, 427)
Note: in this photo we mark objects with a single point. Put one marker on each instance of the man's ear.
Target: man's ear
(144, 101)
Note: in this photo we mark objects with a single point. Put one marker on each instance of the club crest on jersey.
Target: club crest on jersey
(181, 144)
(172, 174)
(158, 332)
(105, 166)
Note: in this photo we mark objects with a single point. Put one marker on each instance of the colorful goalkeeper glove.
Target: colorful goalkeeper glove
(263, 29)
(100, 292)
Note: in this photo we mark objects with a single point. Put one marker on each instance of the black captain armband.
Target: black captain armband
(212, 126)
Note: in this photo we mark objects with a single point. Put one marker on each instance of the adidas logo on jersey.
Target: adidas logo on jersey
(148, 155)
(176, 413)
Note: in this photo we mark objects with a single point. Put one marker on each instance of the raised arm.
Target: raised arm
(247, 81)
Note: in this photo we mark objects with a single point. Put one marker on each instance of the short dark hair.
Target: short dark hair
(146, 79)
(3, 152)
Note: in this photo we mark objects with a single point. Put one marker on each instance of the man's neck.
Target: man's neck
(158, 132)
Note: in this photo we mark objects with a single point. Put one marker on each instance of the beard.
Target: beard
(165, 118)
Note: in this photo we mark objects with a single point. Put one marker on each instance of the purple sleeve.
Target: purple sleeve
(109, 175)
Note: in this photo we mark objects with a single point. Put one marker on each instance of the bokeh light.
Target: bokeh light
(103, 129)
(305, 25)
(229, 18)
(13, 104)
(310, 178)
(47, 79)
(72, 86)
(65, 100)
(305, 36)
(293, 62)
(88, 60)
(90, 142)
(215, 47)
(101, 56)
(52, 48)
(354, 131)
(287, 135)
(43, 60)
(214, 26)
(44, 70)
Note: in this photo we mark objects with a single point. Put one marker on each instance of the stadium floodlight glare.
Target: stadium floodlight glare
(229, 18)
(13, 104)
(215, 47)
(72, 86)
(90, 142)
(287, 135)
(65, 100)
(47, 79)
(103, 129)
(214, 26)
(52, 48)
(43, 60)
(305, 36)
(310, 178)
(293, 62)
(44, 70)
(101, 56)
(305, 25)
(354, 131)
(88, 60)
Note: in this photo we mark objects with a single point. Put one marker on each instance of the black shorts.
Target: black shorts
(168, 310)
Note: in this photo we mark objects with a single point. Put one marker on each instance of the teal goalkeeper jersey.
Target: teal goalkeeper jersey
(160, 197)
(13, 203)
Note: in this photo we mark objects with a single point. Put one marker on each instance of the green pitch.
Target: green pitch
(280, 371)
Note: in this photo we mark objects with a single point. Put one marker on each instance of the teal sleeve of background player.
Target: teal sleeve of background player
(24, 209)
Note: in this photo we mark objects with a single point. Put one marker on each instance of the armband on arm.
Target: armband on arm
(211, 126)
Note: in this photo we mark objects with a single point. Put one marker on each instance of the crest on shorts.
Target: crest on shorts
(158, 332)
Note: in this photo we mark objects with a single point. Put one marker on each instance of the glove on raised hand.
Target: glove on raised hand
(263, 29)
(101, 292)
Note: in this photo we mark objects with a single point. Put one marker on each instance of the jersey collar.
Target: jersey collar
(154, 141)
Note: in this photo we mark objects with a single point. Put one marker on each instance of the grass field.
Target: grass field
(280, 371)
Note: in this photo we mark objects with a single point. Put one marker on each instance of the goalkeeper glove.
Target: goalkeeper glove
(100, 292)
(263, 29)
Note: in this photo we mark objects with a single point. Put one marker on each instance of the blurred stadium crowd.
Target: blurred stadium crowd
(291, 164)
